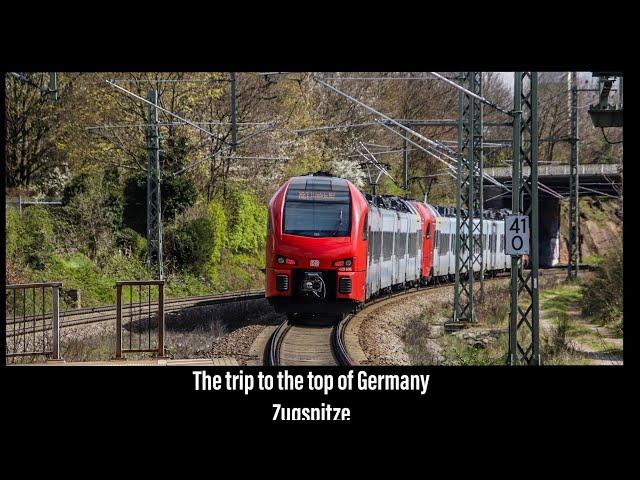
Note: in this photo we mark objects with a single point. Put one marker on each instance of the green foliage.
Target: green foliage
(178, 194)
(36, 235)
(249, 224)
(219, 240)
(196, 244)
(78, 185)
(128, 238)
(13, 231)
(114, 197)
(602, 296)
(93, 212)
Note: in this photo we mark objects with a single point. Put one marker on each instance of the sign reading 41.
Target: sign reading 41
(517, 235)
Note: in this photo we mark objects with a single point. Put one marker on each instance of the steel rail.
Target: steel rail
(109, 313)
(271, 356)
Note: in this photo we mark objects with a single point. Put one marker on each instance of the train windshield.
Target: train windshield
(317, 209)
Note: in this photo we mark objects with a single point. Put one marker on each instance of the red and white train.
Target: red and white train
(330, 247)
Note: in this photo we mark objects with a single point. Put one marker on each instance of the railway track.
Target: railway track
(325, 345)
(90, 315)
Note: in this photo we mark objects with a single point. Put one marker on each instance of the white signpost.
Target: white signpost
(517, 235)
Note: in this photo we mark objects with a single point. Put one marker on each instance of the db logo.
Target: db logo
(314, 263)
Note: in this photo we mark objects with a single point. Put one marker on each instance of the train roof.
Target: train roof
(327, 182)
(319, 182)
(488, 213)
(389, 202)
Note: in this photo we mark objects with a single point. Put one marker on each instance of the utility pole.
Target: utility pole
(524, 327)
(154, 204)
(405, 165)
(574, 218)
(234, 113)
(469, 198)
(53, 86)
(475, 85)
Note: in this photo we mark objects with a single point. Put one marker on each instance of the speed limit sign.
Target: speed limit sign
(517, 235)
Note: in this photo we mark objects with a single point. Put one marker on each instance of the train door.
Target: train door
(449, 254)
(387, 226)
(436, 248)
(401, 255)
(494, 253)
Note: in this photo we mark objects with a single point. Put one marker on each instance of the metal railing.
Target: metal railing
(144, 312)
(32, 320)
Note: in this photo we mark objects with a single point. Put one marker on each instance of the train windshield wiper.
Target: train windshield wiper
(339, 225)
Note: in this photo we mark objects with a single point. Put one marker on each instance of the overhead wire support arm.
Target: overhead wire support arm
(377, 164)
(472, 94)
(182, 119)
(385, 117)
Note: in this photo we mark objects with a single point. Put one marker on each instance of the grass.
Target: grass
(556, 300)
(96, 279)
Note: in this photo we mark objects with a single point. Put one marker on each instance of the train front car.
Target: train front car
(316, 249)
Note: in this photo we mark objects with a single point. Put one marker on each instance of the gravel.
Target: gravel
(381, 331)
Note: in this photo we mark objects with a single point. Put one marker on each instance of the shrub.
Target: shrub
(36, 241)
(92, 209)
(602, 296)
(78, 184)
(129, 238)
(196, 244)
(113, 198)
(178, 194)
(249, 224)
(13, 232)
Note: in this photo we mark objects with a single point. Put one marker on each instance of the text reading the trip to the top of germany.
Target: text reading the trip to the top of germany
(286, 381)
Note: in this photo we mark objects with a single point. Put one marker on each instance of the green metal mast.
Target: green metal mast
(475, 85)
(53, 86)
(154, 204)
(234, 113)
(468, 247)
(574, 218)
(524, 325)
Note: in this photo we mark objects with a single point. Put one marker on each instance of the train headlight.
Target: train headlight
(282, 260)
(347, 262)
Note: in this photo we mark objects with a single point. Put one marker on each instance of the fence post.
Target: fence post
(55, 331)
(118, 321)
(161, 319)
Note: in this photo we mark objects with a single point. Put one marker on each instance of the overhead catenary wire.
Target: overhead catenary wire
(377, 78)
(182, 119)
(607, 140)
(439, 147)
(470, 93)
(24, 79)
(377, 164)
(232, 157)
(170, 124)
(385, 117)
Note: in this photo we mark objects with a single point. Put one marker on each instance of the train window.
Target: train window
(365, 226)
(387, 245)
(428, 232)
(402, 243)
(315, 213)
